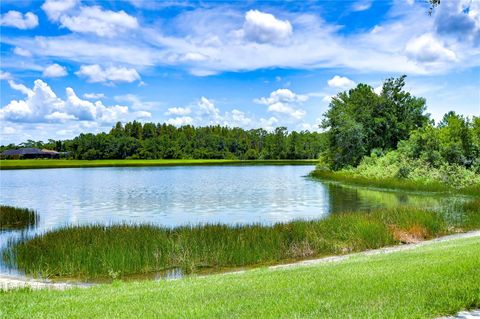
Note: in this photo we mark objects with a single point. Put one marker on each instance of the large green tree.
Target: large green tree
(359, 121)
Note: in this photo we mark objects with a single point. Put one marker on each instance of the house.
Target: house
(29, 152)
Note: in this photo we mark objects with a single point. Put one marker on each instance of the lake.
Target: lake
(173, 196)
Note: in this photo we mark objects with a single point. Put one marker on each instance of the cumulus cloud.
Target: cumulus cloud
(209, 111)
(95, 73)
(178, 111)
(284, 101)
(340, 82)
(54, 71)
(18, 20)
(237, 118)
(265, 27)
(268, 124)
(427, 49)
(56, 8)
(180, 121)
(43, 105)
(89, 19)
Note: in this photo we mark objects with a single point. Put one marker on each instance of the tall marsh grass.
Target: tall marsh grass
(90, 252)
(394, 182)
(16, 218)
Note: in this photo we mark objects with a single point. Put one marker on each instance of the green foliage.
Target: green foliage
(16, 218)
(161, 141)
(359, 121)
(448, 155)
(99, 251)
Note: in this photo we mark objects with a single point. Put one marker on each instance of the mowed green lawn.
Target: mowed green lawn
(45, 163)
(425, 282)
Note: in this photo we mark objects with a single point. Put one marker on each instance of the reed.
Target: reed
(393, 183)
(66, 163)
(16, 218)
(90, 252)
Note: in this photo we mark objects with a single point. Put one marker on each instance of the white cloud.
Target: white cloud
(282, 95)
(180, 121)
(194, 57)
(378, 89)
(142, 114)
(284, 101)
(95, 73)
(60, 116)
(236, 118)
(22, 52)
(459, 19)
(18, 20)
(136, 102)
(178, 111)
(102, 22)
(5, 75)
(89, 19)
(427, 49)
(94, 96)
(215, 39)
(268, 124)
(20, 87)
(55, 8)
(312, 127)
(208, 110)
(54, 71)
(340, 82)
(362, 5)
(43, 105)
(264, 27)
(327, 98)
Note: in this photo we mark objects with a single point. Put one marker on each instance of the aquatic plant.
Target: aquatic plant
(392, 182)
(97, 251)
(16, 218)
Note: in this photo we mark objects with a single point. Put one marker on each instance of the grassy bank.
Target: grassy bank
(96, 251)
(48, 163)
(393, 183)
(16, 218)
(427, 282)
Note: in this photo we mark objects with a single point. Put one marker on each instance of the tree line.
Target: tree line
(136, 140)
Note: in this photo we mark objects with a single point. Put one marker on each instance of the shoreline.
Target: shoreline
(9, 282)
(46, 163)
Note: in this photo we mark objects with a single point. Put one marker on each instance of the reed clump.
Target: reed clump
(91, 252)
(16, 218)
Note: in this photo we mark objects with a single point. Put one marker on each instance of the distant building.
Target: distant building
(29, 152)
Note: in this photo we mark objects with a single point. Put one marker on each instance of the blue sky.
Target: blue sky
(76, 66)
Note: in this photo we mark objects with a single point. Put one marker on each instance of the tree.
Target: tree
(359, 121)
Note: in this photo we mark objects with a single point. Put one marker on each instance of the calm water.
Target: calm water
(174, 196)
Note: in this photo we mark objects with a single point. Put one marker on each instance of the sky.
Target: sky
(74, 66)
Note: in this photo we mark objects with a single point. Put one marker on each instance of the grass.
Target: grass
(63, 163)
(91, 252)
(426, 282)
(16, 218)
(393, 183)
